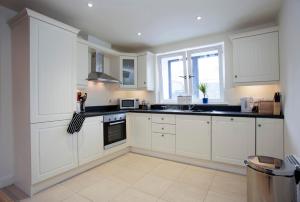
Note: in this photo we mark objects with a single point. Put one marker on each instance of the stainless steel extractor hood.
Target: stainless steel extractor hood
(97, 70)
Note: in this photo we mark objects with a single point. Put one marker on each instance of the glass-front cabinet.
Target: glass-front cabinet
(128, 71)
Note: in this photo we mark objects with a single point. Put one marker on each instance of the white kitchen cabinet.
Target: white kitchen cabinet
(163, 118)
(128, 71)
(52, 52)
(269, 137)
(82, 64)
(90, 140)
(256, 56)
(193, 136)
(162, 142)
(140, 130)
(163, 128)
(233, 139)
(54, 151)
(145, 69)
(44, 96)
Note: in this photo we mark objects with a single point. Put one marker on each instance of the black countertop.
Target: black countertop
(223, 110)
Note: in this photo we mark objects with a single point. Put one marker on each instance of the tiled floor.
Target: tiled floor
(138, 178)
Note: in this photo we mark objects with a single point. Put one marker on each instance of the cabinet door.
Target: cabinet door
(255, 58)
(145, 70)
(82, 64)
(163, 143)
(233, 139)
(128, 72)
(53, 150)
(140, 130)
(269, 137)
(90, 140)
(193, 136)
(52, 72)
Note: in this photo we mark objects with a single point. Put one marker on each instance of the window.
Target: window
(182, 72)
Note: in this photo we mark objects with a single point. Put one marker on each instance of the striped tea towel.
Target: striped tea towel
(76, 123)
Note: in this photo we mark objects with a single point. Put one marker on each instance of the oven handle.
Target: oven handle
(115, 123)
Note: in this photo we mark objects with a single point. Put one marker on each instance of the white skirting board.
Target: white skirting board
(196, 162)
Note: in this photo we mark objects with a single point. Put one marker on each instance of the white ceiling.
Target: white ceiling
(159, 21)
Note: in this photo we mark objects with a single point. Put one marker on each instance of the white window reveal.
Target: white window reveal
(182, 72)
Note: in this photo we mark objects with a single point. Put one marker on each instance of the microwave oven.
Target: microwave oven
(129, 103)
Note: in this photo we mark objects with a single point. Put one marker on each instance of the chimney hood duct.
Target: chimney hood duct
(97, 70)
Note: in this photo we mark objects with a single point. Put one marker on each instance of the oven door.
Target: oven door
(114, 133)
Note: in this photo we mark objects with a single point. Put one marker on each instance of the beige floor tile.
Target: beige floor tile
(168, 169)
(233, 176)
(82, 181)
(180, 192)
(133, 195)
(219, 197)
(229, 184)
(153, 185)
(129, 176)
(196, 176)
(104, 190)
(107, 169)
(76, 198)
(53, 194)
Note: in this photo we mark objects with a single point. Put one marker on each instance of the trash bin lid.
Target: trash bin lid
(270, 165)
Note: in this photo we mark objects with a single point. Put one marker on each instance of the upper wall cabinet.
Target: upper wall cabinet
(128, 71)
(256, 57)
(82, 64)
(146, 71)
(45, 57)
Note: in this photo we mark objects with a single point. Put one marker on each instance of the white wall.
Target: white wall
(290, 72)
(6, 134)
(109, 94)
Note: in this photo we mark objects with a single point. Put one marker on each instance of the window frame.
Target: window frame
(220, 49)
(159, 58)
(187, 66)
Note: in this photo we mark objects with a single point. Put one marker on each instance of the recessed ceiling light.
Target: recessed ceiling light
(90, 4)
(139, 33)
(199, 18)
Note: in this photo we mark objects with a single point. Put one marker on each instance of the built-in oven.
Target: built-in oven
(114, 130)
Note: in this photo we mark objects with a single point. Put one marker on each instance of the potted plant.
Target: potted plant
(203, 88)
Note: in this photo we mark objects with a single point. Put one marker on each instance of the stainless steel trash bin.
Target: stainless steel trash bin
(271, 180)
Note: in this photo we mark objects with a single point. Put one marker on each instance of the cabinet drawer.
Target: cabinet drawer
(163, 128)
(163, 142)
(163, 118)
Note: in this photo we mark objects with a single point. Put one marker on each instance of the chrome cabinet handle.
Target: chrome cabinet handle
(235, 76)
(184, 77)
(259, 125)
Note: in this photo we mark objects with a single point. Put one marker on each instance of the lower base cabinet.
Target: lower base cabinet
(193, 136)
(163, 143)
(54, 151)
(140, 130)
(269, 137)
(233, 139)
(90, 140)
